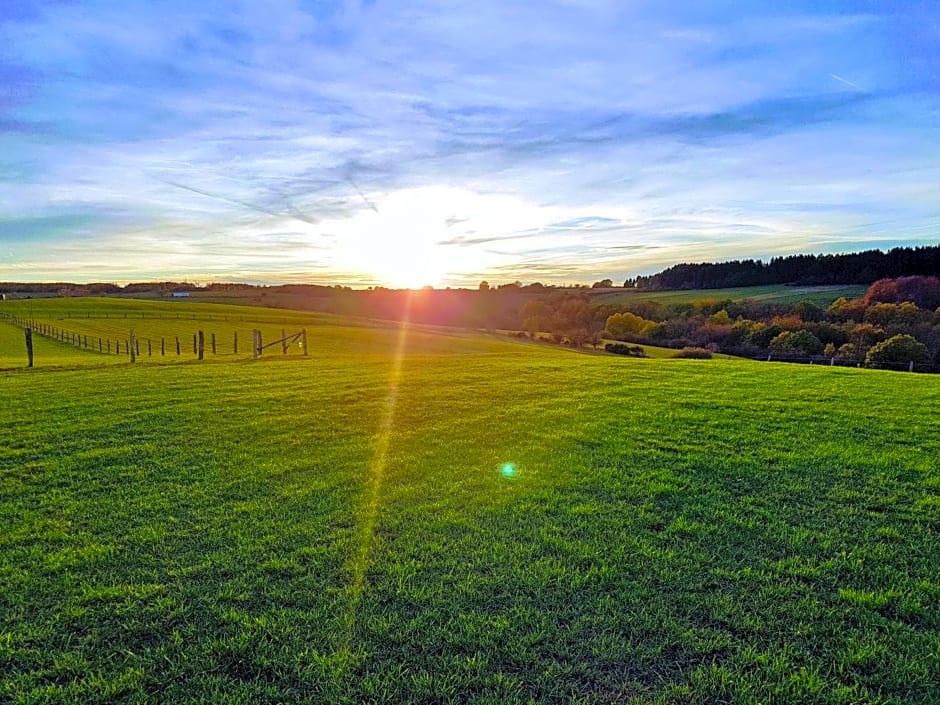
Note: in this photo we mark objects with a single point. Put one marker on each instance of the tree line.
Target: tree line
(854, 268)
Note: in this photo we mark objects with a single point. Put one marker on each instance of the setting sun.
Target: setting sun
(409, 239)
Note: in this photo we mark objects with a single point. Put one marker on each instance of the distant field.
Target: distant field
(431, 517)
(111, 320)
(648, 350)
(106, 323)
(778, 294)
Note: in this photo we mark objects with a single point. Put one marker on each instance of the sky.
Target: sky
(416, 142)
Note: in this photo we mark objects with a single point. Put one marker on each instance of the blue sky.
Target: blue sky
(414, 142)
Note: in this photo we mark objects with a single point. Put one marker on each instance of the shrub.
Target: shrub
(761, 335)
(695, 353)
(808, 311)
(922, 291)
(622, 349)
(844, 310)
(623, 325)
(896, 351)
(801, 341)
(902, 314)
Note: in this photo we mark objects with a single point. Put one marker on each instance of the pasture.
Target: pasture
(48, 352)
(417, 516)
(771, 294)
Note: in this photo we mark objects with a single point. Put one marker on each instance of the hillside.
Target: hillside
(413, 516)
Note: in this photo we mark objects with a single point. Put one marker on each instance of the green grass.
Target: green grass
(46, 352)
(546, 339)
(106, 323)
(340, 529)
(776, 294)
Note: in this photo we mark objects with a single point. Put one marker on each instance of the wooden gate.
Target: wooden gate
(285, 341)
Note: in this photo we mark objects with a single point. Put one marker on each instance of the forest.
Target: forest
(853, 268)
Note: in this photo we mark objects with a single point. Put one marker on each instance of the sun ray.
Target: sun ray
(369, 514)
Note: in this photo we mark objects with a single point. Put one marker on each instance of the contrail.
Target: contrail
(245, 204)
(363, 196)
(846, 82)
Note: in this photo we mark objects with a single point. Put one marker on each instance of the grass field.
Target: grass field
(776, 294)
(427, 517)
(47, 352)
(106, 323)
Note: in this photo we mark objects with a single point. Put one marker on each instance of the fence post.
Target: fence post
(213, 343)
(255, 343)
(283, 341)
(117, 346)
(194, 344)
(832, 361)
(137, 347)
(235, 343)
(303, 340)
(99, 345)
(768, 358)
(29, 346)
(202, 345)
(109, 346)
(162, 347)
(149, 348)
(910, 367)
(132, 347)
(177, 343)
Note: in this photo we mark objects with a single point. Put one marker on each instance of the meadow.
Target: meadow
(409, 515)
(770, 294)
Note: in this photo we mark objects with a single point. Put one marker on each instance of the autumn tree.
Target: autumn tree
(895, 351)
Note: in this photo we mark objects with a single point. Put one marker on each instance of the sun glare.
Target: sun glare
(408, 240)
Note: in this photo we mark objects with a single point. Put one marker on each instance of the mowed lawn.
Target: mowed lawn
(446, 518)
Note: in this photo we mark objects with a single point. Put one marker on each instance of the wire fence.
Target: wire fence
(199, 344)
(909, 366)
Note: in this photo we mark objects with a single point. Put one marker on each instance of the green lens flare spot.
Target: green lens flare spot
(508, 470)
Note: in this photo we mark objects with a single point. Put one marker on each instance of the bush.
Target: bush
(695, 353)
(801, 341)
(896, 351)
(903, 314)
(624, 325)
(621, 349)
(922, 291)
(761, 335)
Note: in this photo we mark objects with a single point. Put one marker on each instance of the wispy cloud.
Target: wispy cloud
(557, 139)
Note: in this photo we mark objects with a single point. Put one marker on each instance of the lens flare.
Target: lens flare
(368, 516)
(508, 470)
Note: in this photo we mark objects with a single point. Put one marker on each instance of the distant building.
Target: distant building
(180, 294)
